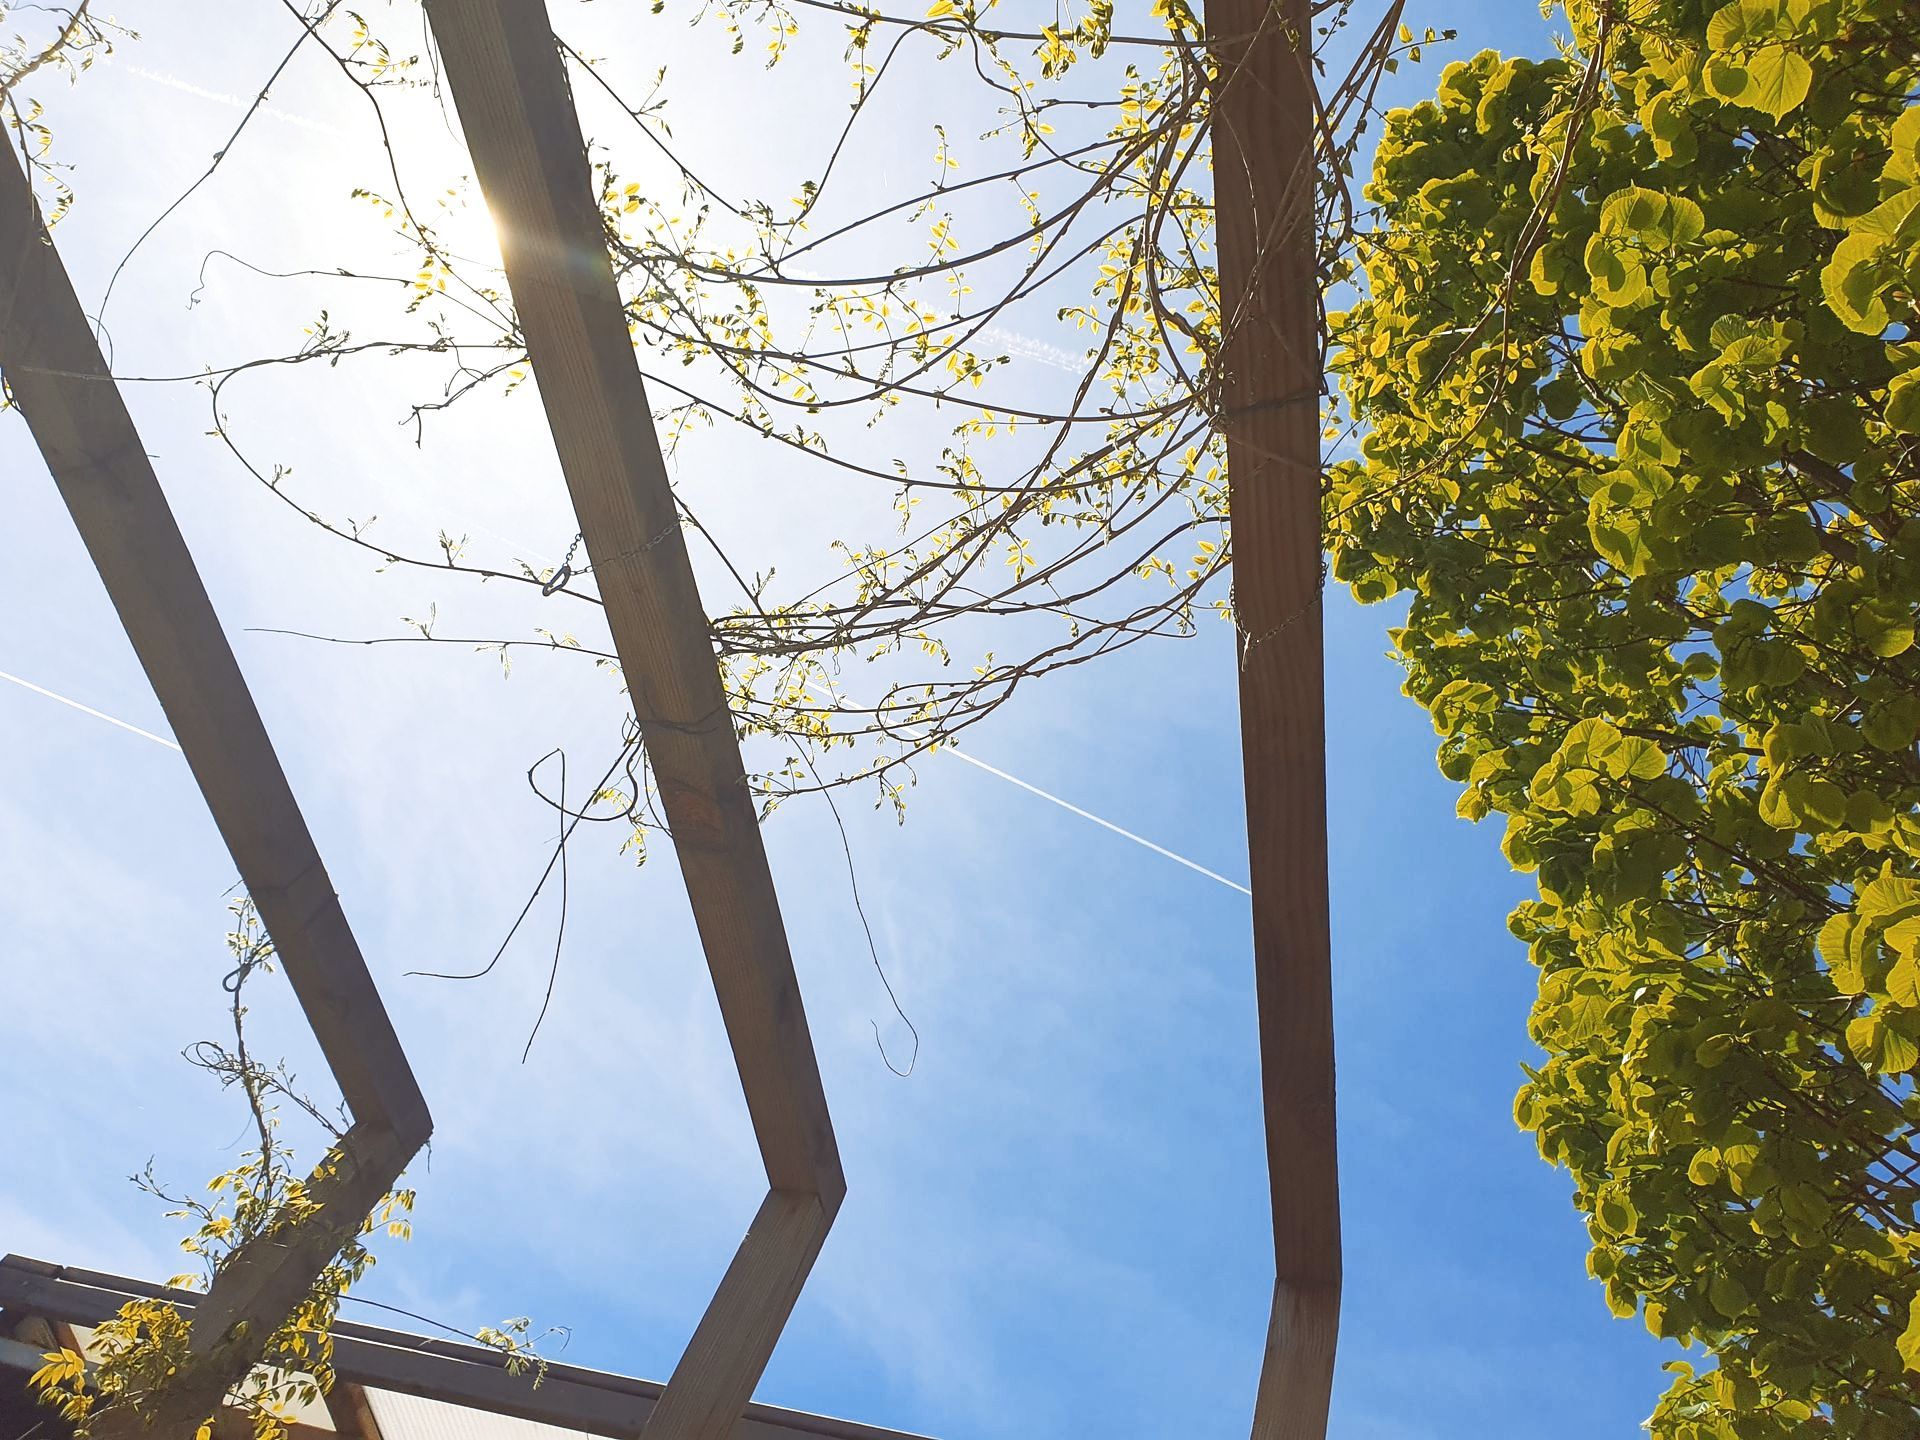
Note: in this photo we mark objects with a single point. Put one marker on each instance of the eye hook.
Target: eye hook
(558, 581)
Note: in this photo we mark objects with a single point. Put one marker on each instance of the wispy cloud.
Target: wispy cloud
(1043, 352)
(231, 101)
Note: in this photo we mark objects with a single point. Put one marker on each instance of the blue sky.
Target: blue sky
(1056, 1227)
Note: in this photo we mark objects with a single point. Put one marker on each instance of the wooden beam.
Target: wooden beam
(271, 1274)
(1264, 177)
(353, 1417)
(54, 368)
(510, 88)
(568, 1396)
(709, 1388)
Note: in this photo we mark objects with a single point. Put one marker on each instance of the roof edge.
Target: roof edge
(599, 1402)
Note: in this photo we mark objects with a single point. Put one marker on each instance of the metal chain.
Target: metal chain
(566, 571)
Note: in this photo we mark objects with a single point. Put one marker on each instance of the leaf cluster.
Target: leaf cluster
(140, 1359)
(1634, 362)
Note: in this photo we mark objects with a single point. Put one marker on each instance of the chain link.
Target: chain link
(566, 572)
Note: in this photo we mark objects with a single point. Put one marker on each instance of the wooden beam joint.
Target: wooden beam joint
(57, 375)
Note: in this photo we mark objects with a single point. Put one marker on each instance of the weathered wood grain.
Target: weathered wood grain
(510, 89)
(1263, 123)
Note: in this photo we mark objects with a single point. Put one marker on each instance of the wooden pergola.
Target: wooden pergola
(55, 370)
(510, 89)
(67, 1301)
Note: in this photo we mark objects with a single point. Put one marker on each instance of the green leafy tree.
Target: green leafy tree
(1633, 359)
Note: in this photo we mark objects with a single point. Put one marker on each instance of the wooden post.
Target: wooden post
(510, 88)
(1263, 144)
(352, 1416)
(57, 375)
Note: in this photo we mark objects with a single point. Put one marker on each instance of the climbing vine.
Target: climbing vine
(50, 41)
(1081, 515)
(141, 1373)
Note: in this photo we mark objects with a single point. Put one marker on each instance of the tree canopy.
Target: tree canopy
(1642, 453)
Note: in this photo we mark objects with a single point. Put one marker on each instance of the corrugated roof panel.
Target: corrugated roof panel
(409, 1417)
